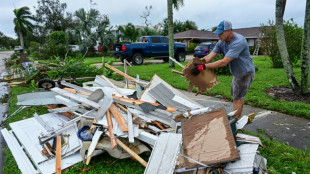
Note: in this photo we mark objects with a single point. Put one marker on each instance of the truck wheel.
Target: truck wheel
(137, 59)
(166, 59)
(180, 56)
(46, 84)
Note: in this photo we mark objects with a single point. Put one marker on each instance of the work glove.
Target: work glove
(198, 68)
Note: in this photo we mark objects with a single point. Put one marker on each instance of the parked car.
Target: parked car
(203, 49)
(149, 46)
(75, 47)
(18, 48)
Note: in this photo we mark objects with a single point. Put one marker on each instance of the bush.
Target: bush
(223, 70)
(57, 46)
(191, 47)
(293, 36)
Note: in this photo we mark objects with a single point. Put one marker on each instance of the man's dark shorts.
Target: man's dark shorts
(241, 84)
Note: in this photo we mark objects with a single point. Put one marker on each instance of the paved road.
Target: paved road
(3, 107)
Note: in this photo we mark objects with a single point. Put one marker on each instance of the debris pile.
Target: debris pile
(182, 135)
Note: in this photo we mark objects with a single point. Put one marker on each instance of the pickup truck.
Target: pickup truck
(149, 46)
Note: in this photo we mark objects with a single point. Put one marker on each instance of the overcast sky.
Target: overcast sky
(205, 13)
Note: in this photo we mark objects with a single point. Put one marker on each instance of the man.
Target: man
(236, 53)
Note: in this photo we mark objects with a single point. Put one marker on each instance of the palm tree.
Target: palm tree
(176, 4)
(128, 33)
(87, 20)
(22, 24)
(305, 53)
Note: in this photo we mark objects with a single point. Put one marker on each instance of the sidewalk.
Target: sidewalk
(291, 130)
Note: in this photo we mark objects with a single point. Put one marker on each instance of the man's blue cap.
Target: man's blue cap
(223, 26)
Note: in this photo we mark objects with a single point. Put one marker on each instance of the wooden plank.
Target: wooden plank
(76, 97)
(73, 91)
(138, 102)
(158, 125)
(58, 155)
(125, 75)
(119, 118)
(110, 127)
(177, 72)
(130, 152)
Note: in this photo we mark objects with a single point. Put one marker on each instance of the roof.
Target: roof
(252, 32)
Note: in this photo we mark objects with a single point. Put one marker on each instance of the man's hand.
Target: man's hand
(198, 68)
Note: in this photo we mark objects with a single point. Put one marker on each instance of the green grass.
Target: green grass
(92, 60)
(265, 78)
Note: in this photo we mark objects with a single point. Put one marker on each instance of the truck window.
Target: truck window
(155, 39)
(165, 39)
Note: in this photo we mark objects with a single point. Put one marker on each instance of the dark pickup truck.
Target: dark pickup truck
(149, 46)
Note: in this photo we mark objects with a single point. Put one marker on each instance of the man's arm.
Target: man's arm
(210, 56)
(219, 63)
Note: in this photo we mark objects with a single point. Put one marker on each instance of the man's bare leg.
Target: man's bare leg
(238, 105)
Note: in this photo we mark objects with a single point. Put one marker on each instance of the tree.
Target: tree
(22, 23)
(176, 4)
(146, 14)
(305, 53)
(51, 16)
(146, 31)
(92, 27)
(280, 8)
(129, 33)
(293, 36)
(87, 21)
(7, 42)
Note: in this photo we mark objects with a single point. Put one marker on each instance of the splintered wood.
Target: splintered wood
(205, 80)
(208, 139)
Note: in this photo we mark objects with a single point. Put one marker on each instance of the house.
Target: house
(252, 35)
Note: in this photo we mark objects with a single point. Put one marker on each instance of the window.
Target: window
(155, 39)
(165, 39)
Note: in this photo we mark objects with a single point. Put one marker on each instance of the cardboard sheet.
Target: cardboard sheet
(205, 80)
(208, 139)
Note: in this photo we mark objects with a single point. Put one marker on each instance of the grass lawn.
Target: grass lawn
(265, 78)
(92, 60)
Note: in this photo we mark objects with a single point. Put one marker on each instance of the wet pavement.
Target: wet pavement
(291, 130)
(3, 106)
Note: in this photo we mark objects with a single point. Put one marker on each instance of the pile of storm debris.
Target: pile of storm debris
(182, 135)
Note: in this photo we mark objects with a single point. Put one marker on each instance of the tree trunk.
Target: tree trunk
(170, 32)
(21, 40)
(305, 53)
(280, 5)
(85, 52)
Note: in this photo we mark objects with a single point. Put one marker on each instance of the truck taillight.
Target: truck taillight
(194, 49)
(206, 50)
(123, 47)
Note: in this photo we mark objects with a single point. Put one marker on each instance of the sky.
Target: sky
(205, 13)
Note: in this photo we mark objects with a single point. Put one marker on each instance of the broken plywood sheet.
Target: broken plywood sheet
(205, 80)
(164, 155)
(155, 81)
(208, 139)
